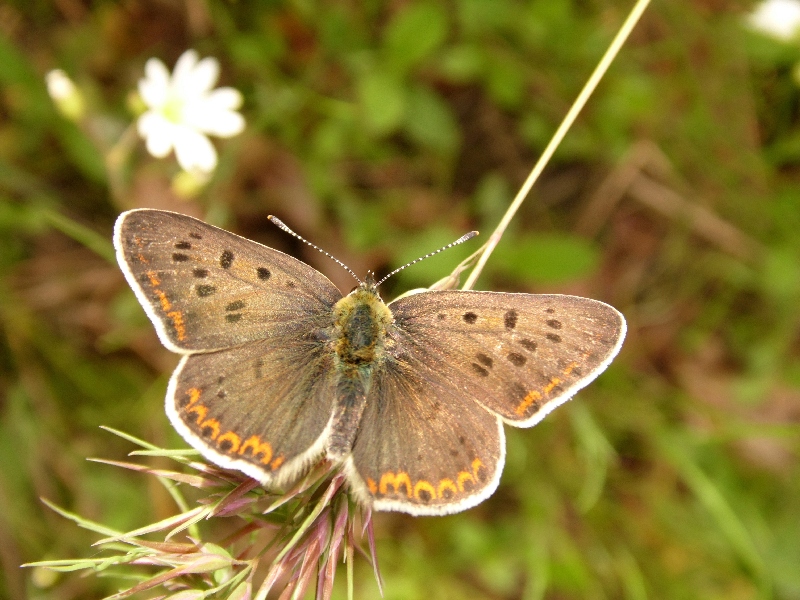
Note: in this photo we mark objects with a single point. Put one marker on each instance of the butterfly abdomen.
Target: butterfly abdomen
(361, 320)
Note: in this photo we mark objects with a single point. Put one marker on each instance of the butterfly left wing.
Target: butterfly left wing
(518, 355)
(263, 408)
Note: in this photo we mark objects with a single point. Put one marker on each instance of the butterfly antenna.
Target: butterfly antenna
(285, 227)
(461, 240)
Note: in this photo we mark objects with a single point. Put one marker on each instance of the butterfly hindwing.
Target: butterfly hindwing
(423, 447)
(206, 289)
(519, 355)
(263, 408)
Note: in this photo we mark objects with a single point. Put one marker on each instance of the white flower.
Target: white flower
(184, 110)
(777, 18)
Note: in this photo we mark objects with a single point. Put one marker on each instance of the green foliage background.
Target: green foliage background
(381, 130)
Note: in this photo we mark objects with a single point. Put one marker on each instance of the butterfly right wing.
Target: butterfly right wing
(263, 408)
(423, 447)
(205, 288)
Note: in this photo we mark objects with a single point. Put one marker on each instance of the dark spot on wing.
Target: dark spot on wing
(470, 317)
(263, 273)
(225, 445)
(441, 316)
(554, 323)
(291, 284)
(510, 319)
(200, 273)
(528, 344)
(425, 495)
(550, 311)
(553, 337)
(180, 257)
(235, 305)
(516, 359)
(482, 474)
(226, 259)
(233, 317)
(183, 246)
(518, 392)
(486, 361)
(195, 236)
(205, 290)
(479, 370)
(447, 493)
(222, 394)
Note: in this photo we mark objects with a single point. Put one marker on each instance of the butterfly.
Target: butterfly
(280, 370)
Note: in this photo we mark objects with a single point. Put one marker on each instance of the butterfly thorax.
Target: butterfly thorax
(361, 321)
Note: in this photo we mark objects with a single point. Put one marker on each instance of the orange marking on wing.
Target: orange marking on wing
(476, 464)
(231, 437)
(166, 305)
(373, 487)
(175, 316)
(140, 257)
(177, 322)
(389, 478)
(446, 484)
(256, 447)
(463, 477)
(426, 486)
(276, 463)
(569, 368)
(553, 383)
(213, 424)
(194, 395)
(532, 397)
(200, 410)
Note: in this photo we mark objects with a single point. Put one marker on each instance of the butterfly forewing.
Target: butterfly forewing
(262, 408)
(423, 447)
(207, 289)
(519, 355)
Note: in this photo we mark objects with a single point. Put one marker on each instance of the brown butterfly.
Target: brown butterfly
(280, 370)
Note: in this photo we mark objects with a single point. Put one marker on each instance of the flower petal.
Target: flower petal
(777, 18)
(184, 68)
(157, 132)
(208, 118)
(204, 76)
(226, 123)
(154, 86)
(194, 151)
(226, 98)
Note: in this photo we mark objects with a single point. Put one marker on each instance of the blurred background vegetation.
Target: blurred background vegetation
(381, 130)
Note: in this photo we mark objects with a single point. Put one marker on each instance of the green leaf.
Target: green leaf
(428, 120)
(463, 62)
(414, 34)
(382, 99)
(546, 257)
